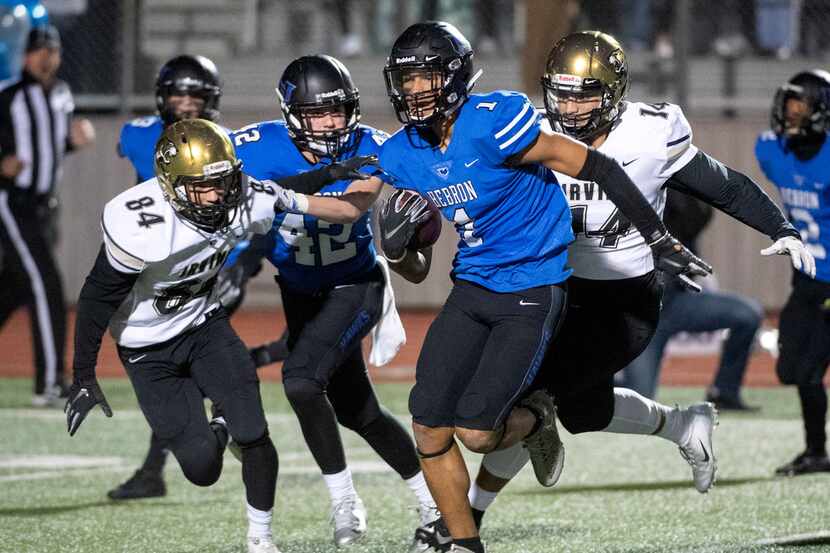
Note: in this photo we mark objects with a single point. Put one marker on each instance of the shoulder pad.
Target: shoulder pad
(135, 224)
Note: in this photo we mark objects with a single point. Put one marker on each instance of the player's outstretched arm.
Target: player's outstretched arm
(737, 195)
(346, 208)
(565, 155)
(311, 182)
(103, 292)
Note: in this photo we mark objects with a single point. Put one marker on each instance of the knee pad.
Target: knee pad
(591, 411)
(200, 460)
(798, 372)
(301, 391)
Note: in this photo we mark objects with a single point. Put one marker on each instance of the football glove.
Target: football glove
(83, 396)
(801, 258)
(289, 201)
(399, 220)
(348, 169)
(674, 258)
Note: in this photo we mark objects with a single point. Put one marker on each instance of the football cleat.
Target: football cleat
(805, 463)
(432, 534)
(696, 449)
(262, 544)
(349, 517)
(547, 453)
(142, 484)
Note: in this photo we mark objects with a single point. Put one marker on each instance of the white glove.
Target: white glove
(801, 258)
(289, 201)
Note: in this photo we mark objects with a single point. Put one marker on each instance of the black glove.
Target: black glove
(348, 169)
(399, 220)
(311, 182)
(674, 258)
(83, 396)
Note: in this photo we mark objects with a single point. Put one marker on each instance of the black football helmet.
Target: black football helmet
(312, 84)
(195, 76)
(439, 51)
(813, 88)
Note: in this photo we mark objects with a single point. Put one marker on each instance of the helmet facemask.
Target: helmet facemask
(194, 195)
(440, 99)
(307, 125)
(559, 89)
(188, 86)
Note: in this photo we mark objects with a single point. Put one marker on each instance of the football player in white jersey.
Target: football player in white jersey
(614, 292)
(153, 285)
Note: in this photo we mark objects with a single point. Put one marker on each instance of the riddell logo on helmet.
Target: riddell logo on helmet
(567, 79)
(332, 94)
(405, 59)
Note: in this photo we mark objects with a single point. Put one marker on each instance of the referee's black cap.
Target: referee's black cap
(43, 37)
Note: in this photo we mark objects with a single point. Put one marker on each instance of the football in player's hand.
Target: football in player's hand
(429, 230)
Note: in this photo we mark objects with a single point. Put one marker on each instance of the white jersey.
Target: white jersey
(651, 142)
(177, 261)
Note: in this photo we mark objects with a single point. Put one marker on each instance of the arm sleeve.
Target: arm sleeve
(103, 291)
(507, 124)
(622, 191)
(308, 182)
(732, 192)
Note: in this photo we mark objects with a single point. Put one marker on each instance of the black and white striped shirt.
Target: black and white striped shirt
(34, 126)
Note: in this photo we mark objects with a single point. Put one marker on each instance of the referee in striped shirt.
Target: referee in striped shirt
(36, 130)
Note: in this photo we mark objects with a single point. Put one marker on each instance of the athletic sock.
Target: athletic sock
(418, 485)
(340, 485)
(259, 522)
(480, 498)
(635, 414)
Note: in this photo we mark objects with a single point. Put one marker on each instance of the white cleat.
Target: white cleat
(547, 453)
(349, 517)
(459, 549)
(697, 450)
(263, 544)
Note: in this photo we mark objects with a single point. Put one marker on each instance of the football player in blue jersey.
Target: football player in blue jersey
(331, 283)
(187, 87)
(615, 292)
(484, 161)
(795, 156)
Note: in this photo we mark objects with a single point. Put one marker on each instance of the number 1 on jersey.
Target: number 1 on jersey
(461, 219)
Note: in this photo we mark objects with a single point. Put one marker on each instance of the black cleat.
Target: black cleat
(805, 463)
(141, 485)
(432, 537)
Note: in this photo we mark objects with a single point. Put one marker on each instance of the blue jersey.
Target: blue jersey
(310, 254)
(138, 144)
(513, 223)
(805, 191)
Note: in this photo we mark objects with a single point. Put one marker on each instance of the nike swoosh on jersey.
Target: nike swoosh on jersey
(523, 302)
(470, 164)
(627, 163)
(137, 358)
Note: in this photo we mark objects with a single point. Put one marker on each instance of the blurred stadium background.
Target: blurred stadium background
(720, 60)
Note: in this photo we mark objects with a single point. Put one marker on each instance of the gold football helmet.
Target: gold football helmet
(197, 168)
(583, 65)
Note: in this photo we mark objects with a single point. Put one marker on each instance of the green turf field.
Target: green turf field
(618, 493)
